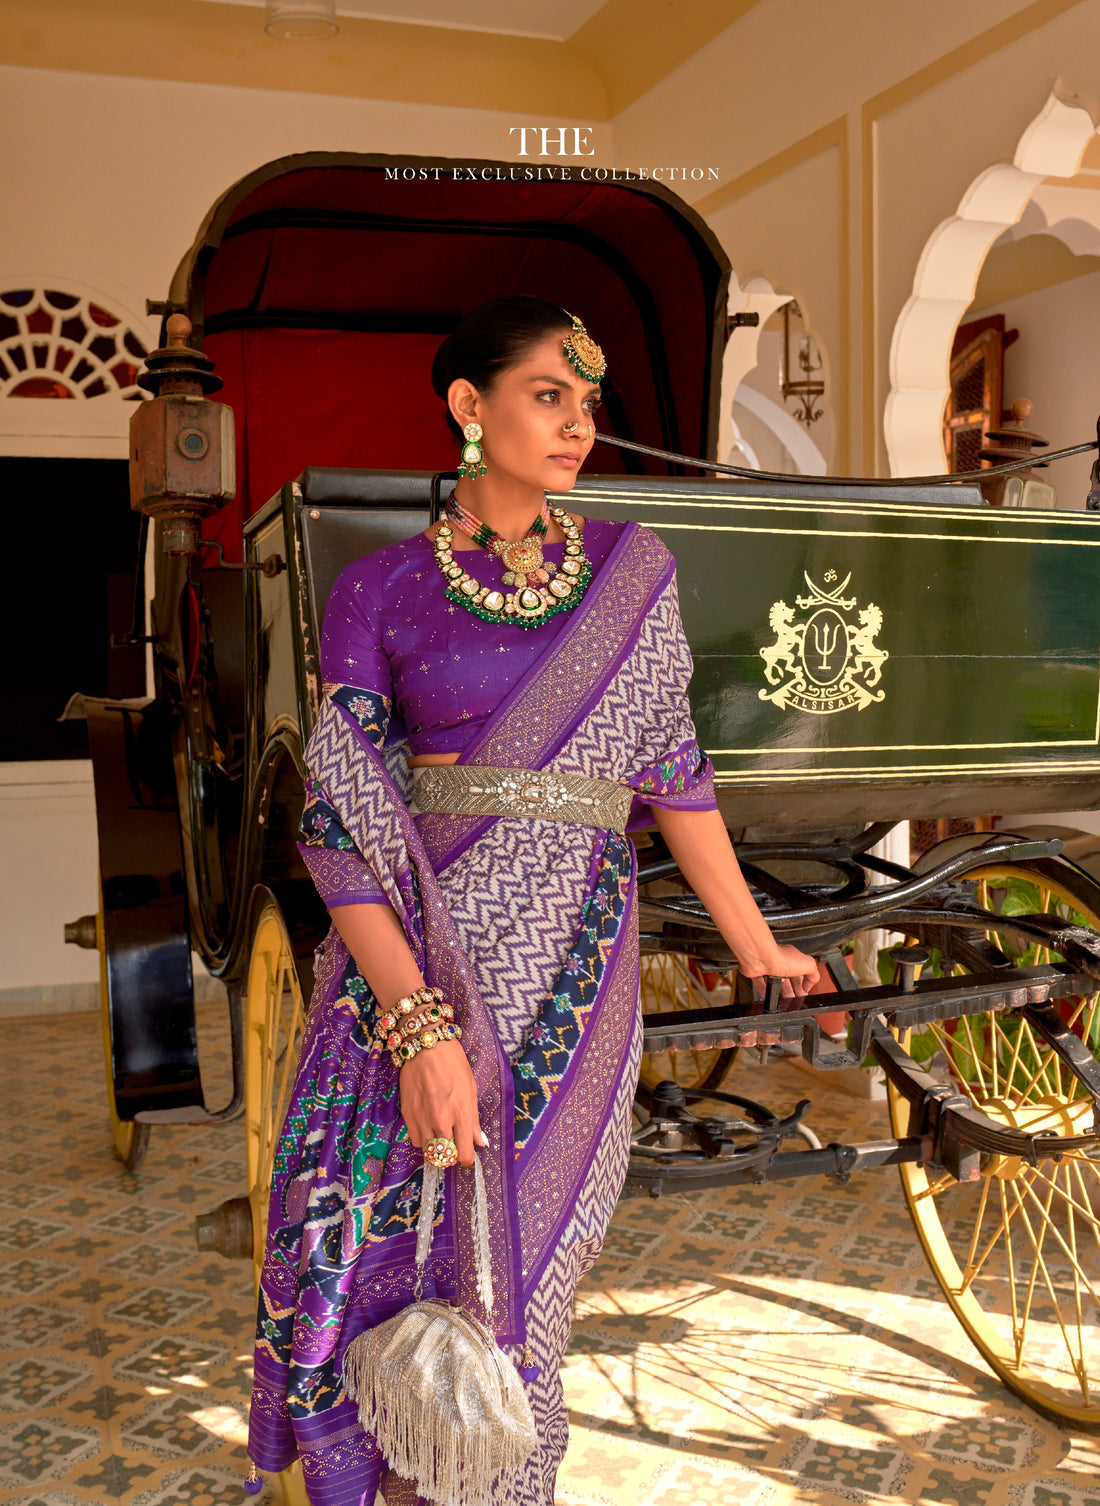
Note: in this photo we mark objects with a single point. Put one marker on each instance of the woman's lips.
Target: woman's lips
(569, 460)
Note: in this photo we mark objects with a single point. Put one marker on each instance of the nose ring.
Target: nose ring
(570, 428)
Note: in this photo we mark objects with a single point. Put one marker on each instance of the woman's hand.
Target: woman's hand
(439, 1098)
(699, 842)
(799, 972)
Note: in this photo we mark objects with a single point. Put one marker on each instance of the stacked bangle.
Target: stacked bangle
(416, 1023)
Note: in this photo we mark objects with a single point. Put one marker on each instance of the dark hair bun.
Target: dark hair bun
(490, 338)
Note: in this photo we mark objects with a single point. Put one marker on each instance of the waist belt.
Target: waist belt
(471, 790)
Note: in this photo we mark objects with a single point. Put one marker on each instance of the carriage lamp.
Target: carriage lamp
(300, 20)
(1012, 441)
(805, 358)
(182, 466)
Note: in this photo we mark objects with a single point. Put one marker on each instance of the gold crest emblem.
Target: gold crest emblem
(824, 657)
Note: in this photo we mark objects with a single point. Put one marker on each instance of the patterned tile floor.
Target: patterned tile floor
(774, 1344)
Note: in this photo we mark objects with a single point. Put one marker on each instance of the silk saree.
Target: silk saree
(529, 926)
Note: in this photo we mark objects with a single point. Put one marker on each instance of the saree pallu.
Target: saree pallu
(529, 927)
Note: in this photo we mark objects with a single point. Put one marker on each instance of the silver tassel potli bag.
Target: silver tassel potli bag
(446, 1407)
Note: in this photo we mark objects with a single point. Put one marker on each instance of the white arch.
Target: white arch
(790, 433)
(756, 297)
(947, 274)
(1068, 214)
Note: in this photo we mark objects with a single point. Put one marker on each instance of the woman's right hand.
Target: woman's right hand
(439, 1098)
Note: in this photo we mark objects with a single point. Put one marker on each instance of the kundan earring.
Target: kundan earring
(472, 461)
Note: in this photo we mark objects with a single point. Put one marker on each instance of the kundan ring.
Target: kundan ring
(441, 1152)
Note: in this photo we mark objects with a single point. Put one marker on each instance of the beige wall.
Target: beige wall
(845, 133)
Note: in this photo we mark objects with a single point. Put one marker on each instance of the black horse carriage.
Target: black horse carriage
(866, 653)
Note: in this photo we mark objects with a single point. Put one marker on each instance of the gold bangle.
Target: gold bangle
(427, 1019)
(407, 1049)
(394, 1018)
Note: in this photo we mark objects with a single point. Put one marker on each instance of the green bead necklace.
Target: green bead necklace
(529, 605)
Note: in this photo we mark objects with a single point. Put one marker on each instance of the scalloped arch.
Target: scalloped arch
(757, 296)
(947, 274)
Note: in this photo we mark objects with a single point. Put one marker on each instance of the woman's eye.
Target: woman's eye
(551, 395)
(593, 404)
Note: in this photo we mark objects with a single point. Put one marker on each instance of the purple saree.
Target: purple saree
(529, 927)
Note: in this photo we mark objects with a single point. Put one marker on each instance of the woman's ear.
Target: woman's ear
(463, 401)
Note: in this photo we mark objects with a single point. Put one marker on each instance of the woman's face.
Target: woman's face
(526, 414)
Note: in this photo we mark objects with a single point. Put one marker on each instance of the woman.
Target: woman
(521, 677)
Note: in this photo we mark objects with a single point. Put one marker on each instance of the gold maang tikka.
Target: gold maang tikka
(583, 354)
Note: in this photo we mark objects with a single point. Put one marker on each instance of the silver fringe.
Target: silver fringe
(446, 1407)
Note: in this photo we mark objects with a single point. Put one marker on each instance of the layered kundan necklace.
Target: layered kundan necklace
(542, 589)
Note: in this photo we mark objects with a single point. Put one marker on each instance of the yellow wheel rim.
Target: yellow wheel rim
(1017, 1253)
(667, 984)
(275, 1016)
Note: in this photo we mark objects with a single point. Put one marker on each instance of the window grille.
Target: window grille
(63, 345)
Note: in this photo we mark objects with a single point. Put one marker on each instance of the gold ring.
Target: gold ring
(441, 1152)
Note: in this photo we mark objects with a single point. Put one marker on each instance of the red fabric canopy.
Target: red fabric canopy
(321, 288)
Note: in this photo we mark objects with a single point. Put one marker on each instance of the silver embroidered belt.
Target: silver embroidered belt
(472, 790)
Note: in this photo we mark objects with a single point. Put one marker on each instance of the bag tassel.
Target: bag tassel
(528, 1365)
(443, 1403)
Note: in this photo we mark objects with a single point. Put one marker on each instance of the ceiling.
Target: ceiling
(583, 60)
(550, 20)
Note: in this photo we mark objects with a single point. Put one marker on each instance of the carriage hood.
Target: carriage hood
(321, 285)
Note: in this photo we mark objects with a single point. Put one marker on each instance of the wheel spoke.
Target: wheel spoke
(1083, 1372)
(1090, 1002)
(1007, 1215)
(668, 983)
(1030, 1293)
(975, 1055)
(1060, 1240)
(947, 1180)
(1019, 1261)
(1079, 1166)
(1077, 1365)
(947, 1046)
(1072, 1205)
(1041, 1069)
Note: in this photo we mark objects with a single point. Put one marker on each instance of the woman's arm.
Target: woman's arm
(700, 844)
(438, 1091)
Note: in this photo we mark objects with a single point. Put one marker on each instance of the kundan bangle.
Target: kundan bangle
(407, 1049)
(394, 1019)
(433, 1015)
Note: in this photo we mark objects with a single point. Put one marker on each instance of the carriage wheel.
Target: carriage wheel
(1017, 1252)
(275, 1016)
(131, 1138)
(668, 983)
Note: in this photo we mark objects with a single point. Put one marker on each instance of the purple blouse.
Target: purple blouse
(390, 628)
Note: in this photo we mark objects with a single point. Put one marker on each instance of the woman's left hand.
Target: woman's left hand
(799, 972)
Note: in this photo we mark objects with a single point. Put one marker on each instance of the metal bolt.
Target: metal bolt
(907, 960)
(315, 513)
(81, 932)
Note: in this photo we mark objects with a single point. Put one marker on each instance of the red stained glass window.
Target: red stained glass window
(78, 348)
(40, 387)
